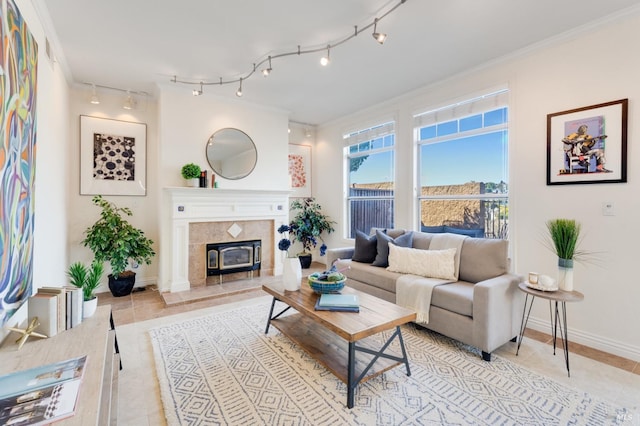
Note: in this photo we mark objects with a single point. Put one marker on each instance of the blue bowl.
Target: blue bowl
(324, 287)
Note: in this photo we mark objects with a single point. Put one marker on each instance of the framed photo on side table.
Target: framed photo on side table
(300, 170)
(113, 157)
(588, 144)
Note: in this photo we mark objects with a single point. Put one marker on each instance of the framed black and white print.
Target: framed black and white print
(112, 157)
(588, 144)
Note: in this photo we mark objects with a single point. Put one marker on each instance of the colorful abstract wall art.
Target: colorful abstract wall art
(18, 84)
(300, 170)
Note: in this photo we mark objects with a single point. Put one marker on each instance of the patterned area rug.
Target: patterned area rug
(223, 369)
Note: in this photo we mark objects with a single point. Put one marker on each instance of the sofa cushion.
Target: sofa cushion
(393, 233)
(382, 257)
(455, 297)
(426, 263)
(371, 275)
(482, 258)
(421, 240)
(365, 248)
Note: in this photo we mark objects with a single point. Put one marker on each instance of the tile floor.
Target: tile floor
(140, 403)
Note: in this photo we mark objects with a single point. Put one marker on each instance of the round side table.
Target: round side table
(560, 297)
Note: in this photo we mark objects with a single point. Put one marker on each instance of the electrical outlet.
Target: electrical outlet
(608, 209)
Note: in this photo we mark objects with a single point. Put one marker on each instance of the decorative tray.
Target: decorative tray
(539, 287)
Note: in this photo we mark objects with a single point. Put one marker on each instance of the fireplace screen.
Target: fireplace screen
(225, 258)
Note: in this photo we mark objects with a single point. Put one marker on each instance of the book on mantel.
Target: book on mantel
(338, 302)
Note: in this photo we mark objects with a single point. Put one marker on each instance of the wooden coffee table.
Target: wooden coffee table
(334, 338)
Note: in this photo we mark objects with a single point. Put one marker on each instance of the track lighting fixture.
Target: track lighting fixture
(324, 61)
(198, 92)
(380, 37)
(267, 71)
(128, 103)
(94, 97)
(239, 91)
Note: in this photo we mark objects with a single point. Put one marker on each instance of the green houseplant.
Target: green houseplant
(564, 235)
(191, 173)
(113, 239)
(307, 226)
(88, 279)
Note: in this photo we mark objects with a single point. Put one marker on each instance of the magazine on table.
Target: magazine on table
(41, 395)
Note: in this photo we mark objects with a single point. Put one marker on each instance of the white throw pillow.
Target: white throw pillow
(426, 263)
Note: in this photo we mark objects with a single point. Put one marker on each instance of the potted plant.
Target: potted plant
(564, 235)
(191, 173)
(307, 226)
(113, 239)
(88, 279)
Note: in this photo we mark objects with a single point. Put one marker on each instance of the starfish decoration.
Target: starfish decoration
(27, 332)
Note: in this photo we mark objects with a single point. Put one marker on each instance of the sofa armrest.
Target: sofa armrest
(339, 253)
(496, 303)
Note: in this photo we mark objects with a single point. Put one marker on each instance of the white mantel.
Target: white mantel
(182, 206)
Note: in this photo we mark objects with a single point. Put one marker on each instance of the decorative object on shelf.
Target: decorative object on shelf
(27, 332)
(300, 170)
(579, 150)
(191, 174)
(203, 179)
(322, 283)
(307, 226)
(292, 270)
(87, 279)
(564, 235)
(113, 239)
(112, 157)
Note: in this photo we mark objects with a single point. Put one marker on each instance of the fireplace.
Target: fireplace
(237, 256)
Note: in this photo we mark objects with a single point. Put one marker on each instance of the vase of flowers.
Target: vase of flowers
(292, 270)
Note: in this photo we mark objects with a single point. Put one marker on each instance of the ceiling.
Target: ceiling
(138, 45)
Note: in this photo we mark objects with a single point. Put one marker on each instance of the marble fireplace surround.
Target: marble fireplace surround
(196, 214)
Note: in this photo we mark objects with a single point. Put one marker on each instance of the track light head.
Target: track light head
(379, 37)
(94, 97)
(324, 61)
(198, 92)
(267, 71)
(239, 91)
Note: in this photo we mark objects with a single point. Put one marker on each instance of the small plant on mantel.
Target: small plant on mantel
(190, 171)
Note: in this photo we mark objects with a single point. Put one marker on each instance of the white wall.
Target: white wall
(586, 68)
(82, 212)
(186, 123)
(51, 168)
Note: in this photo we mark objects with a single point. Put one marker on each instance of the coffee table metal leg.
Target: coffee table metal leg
(351, 380)
(271, 317)
(404, 351)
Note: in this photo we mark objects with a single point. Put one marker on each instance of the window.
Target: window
(370, 166)
(463, 167)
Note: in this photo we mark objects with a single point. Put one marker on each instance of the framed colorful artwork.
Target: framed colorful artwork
(588, 144)
(300, 170)
(112, 157)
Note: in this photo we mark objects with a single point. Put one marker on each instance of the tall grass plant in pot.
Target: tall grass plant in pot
(564, 235)
(87, 278)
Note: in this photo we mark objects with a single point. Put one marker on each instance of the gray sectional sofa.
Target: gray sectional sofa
(481, 309)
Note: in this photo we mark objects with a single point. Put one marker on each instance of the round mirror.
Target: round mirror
(231, 153)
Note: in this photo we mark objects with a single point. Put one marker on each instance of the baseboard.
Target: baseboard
(600, 343)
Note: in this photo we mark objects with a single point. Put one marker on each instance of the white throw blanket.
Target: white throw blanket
(414, 292)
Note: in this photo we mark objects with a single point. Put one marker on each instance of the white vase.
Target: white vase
(565, 274)
(89, 307)
(292, 273)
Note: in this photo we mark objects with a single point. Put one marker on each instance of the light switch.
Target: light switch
(607, 209)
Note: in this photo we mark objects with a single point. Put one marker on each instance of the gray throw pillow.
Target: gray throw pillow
(382, 258)
(366, 248)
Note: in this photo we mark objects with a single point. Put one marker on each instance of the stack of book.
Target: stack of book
(338, 302)
(57, 308)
